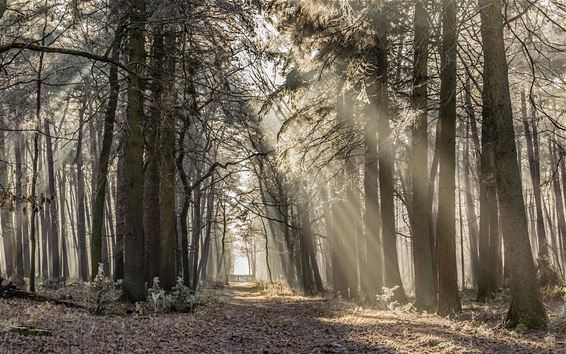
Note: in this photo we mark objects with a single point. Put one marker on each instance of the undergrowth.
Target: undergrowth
(179, 299)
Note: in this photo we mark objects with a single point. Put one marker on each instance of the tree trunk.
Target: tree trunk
(120, 213)
(526, 306)
(80, 211)
(8, 234)
(469, 192)
(563, 188)
(20, 219)
(422, 256)
(488, 209)
(51, 191)
(103, 162)
(167, 171)
(534, 164)
(64, 248)
(34, 172)
(559, 200)
(151, 208)
(134, 262)
(448, 297)
(195, 241)
(391, 274)
(341, 211)
(208, 232)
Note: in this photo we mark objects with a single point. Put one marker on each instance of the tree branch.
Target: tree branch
(74, 52)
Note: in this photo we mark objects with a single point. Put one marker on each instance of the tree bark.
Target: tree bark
(195, 241)
(33, 198)
(208, 231)
(448, 297)
(473, 230)
(151, 208)
(526, 306)
(391, 274)
(103, 163)
(488, 208)
(559, 200)
(134, 260)
(167, 171)
(80, 186)
(422, 256)
(8, 234)
(534, 164)
(20, 220)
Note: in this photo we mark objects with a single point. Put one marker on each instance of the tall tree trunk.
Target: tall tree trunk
(80, 211)
(151, 209)
(167, 171)
(391, 274)
(43, 233)
(8, 234)
(64, 248)
(488, 208)
(494, 242)
(134, 260)
(306, 270)
(341, 210)
(534, 164)
(422, 255)
(470, 205)
(120, 213)
(195, 241)
(559, 200)
(103, 162)
(184, 214)
(448, 297)
(34, 172)
(51, 191)
(526, 306)
(208, 232)
(376, 110)
(20, 220)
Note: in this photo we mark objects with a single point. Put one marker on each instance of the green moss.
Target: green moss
(530, 321)
(29, 331)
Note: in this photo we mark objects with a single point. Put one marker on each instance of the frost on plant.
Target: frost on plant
(103, 291)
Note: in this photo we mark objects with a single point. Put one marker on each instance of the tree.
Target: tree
(424, 277)
(104, 160)
(152, 211)
(448, 297)
(391, 274)
(167, 208)
(533, 152)
(526, 306)
(134, 279)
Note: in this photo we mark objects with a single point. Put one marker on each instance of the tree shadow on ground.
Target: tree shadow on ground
(323, 326)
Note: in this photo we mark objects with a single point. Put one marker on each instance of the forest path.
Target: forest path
(242, 319)
(254, 321)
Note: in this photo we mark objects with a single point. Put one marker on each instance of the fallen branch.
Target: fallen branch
(10, 291)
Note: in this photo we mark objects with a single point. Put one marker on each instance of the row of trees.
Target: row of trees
(453, 73)
(343, 144)
(125, 158)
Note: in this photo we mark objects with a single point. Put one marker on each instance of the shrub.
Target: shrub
(103, 291)
(554, 293)
(53, 284)
(388, 300)
(276, 287)
(180, 299)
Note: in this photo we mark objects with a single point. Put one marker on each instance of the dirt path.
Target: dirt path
(243, 320)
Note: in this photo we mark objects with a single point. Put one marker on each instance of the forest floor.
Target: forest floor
(242, 319)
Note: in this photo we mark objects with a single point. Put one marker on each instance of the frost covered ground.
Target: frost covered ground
(241, 320)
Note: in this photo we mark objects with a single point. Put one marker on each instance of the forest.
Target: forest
(283, 176)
